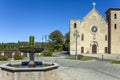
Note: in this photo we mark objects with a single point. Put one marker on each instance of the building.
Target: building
(95, 34)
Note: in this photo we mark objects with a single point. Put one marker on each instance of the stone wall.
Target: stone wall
(30, 75)
(104, 56)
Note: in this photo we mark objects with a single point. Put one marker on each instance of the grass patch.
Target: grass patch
(47, 56)
(115, 62)
(71, 58)
(85, 59)
(82, 59)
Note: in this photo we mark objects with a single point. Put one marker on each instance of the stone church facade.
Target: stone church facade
(95, 34)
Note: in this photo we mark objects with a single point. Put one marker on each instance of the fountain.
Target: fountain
(31, 50)
(29, 70)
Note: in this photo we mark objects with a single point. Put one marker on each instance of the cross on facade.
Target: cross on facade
(94, 4)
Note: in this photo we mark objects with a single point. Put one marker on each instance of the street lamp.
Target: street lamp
(44, 40)
(76, 35)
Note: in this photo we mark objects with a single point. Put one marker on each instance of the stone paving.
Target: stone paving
(84, 70)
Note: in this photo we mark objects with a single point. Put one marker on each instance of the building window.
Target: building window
(106, 37)
(82, 49)
(82, 37)
(75, 25)
(106, 50)
(115, 16)
(115, 26)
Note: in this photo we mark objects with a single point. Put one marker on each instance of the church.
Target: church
(95, 34)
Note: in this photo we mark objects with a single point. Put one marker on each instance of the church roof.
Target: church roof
(94, 10)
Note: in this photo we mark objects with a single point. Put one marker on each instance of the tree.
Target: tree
(66, 41)
(56, 40)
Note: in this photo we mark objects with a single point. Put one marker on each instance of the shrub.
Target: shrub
(47, 53)
(4, 58)
(80, 56)
(87, 52)
(18, 56)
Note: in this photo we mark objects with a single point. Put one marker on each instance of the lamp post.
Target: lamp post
(76, 35)
(44, 40)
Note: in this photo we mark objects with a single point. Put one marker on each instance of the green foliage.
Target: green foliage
(67, 41)
(56, 40)
(4, 58)
(85, 59)
(115, 62)
(15, 46)
(8, 46)
(87, 52)
(56, 36)
(80, 56)
(17, 56)
(47, 53)
(31, 41)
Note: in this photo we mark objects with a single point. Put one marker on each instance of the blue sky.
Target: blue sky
(21, 18)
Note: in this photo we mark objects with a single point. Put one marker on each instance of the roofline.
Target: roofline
(118, 9)
(91, 11)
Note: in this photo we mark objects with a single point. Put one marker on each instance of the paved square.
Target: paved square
(84, 70)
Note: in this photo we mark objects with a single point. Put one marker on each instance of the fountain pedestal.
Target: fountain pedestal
(31, 51)
(31, 61)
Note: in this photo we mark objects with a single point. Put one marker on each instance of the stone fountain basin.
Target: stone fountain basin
(10, 72)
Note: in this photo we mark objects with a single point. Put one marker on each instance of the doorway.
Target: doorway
(82, 49)
(94, 48)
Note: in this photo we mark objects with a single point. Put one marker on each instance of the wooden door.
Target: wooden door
(94, 48)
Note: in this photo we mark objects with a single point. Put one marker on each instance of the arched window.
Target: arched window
(106, 37)
(115, 26)
(82, 37)
(75, 25)
(115, 16)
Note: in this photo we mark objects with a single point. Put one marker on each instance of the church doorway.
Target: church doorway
(94, 48)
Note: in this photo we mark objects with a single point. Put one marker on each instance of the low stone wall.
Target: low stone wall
(29, 75)
(110, 56)
(104, 56)
(11, 73)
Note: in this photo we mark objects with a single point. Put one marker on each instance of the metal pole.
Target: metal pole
(76, 35)
(102, 57)
(76, 46)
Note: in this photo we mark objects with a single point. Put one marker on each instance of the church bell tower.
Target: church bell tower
(113, 19)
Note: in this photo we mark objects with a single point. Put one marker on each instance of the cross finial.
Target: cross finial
(94, 4)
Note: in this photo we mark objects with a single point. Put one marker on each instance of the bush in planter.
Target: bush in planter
(47, 53)
(87, 52)
(4, 58)
(80, 56)
(18, 56)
